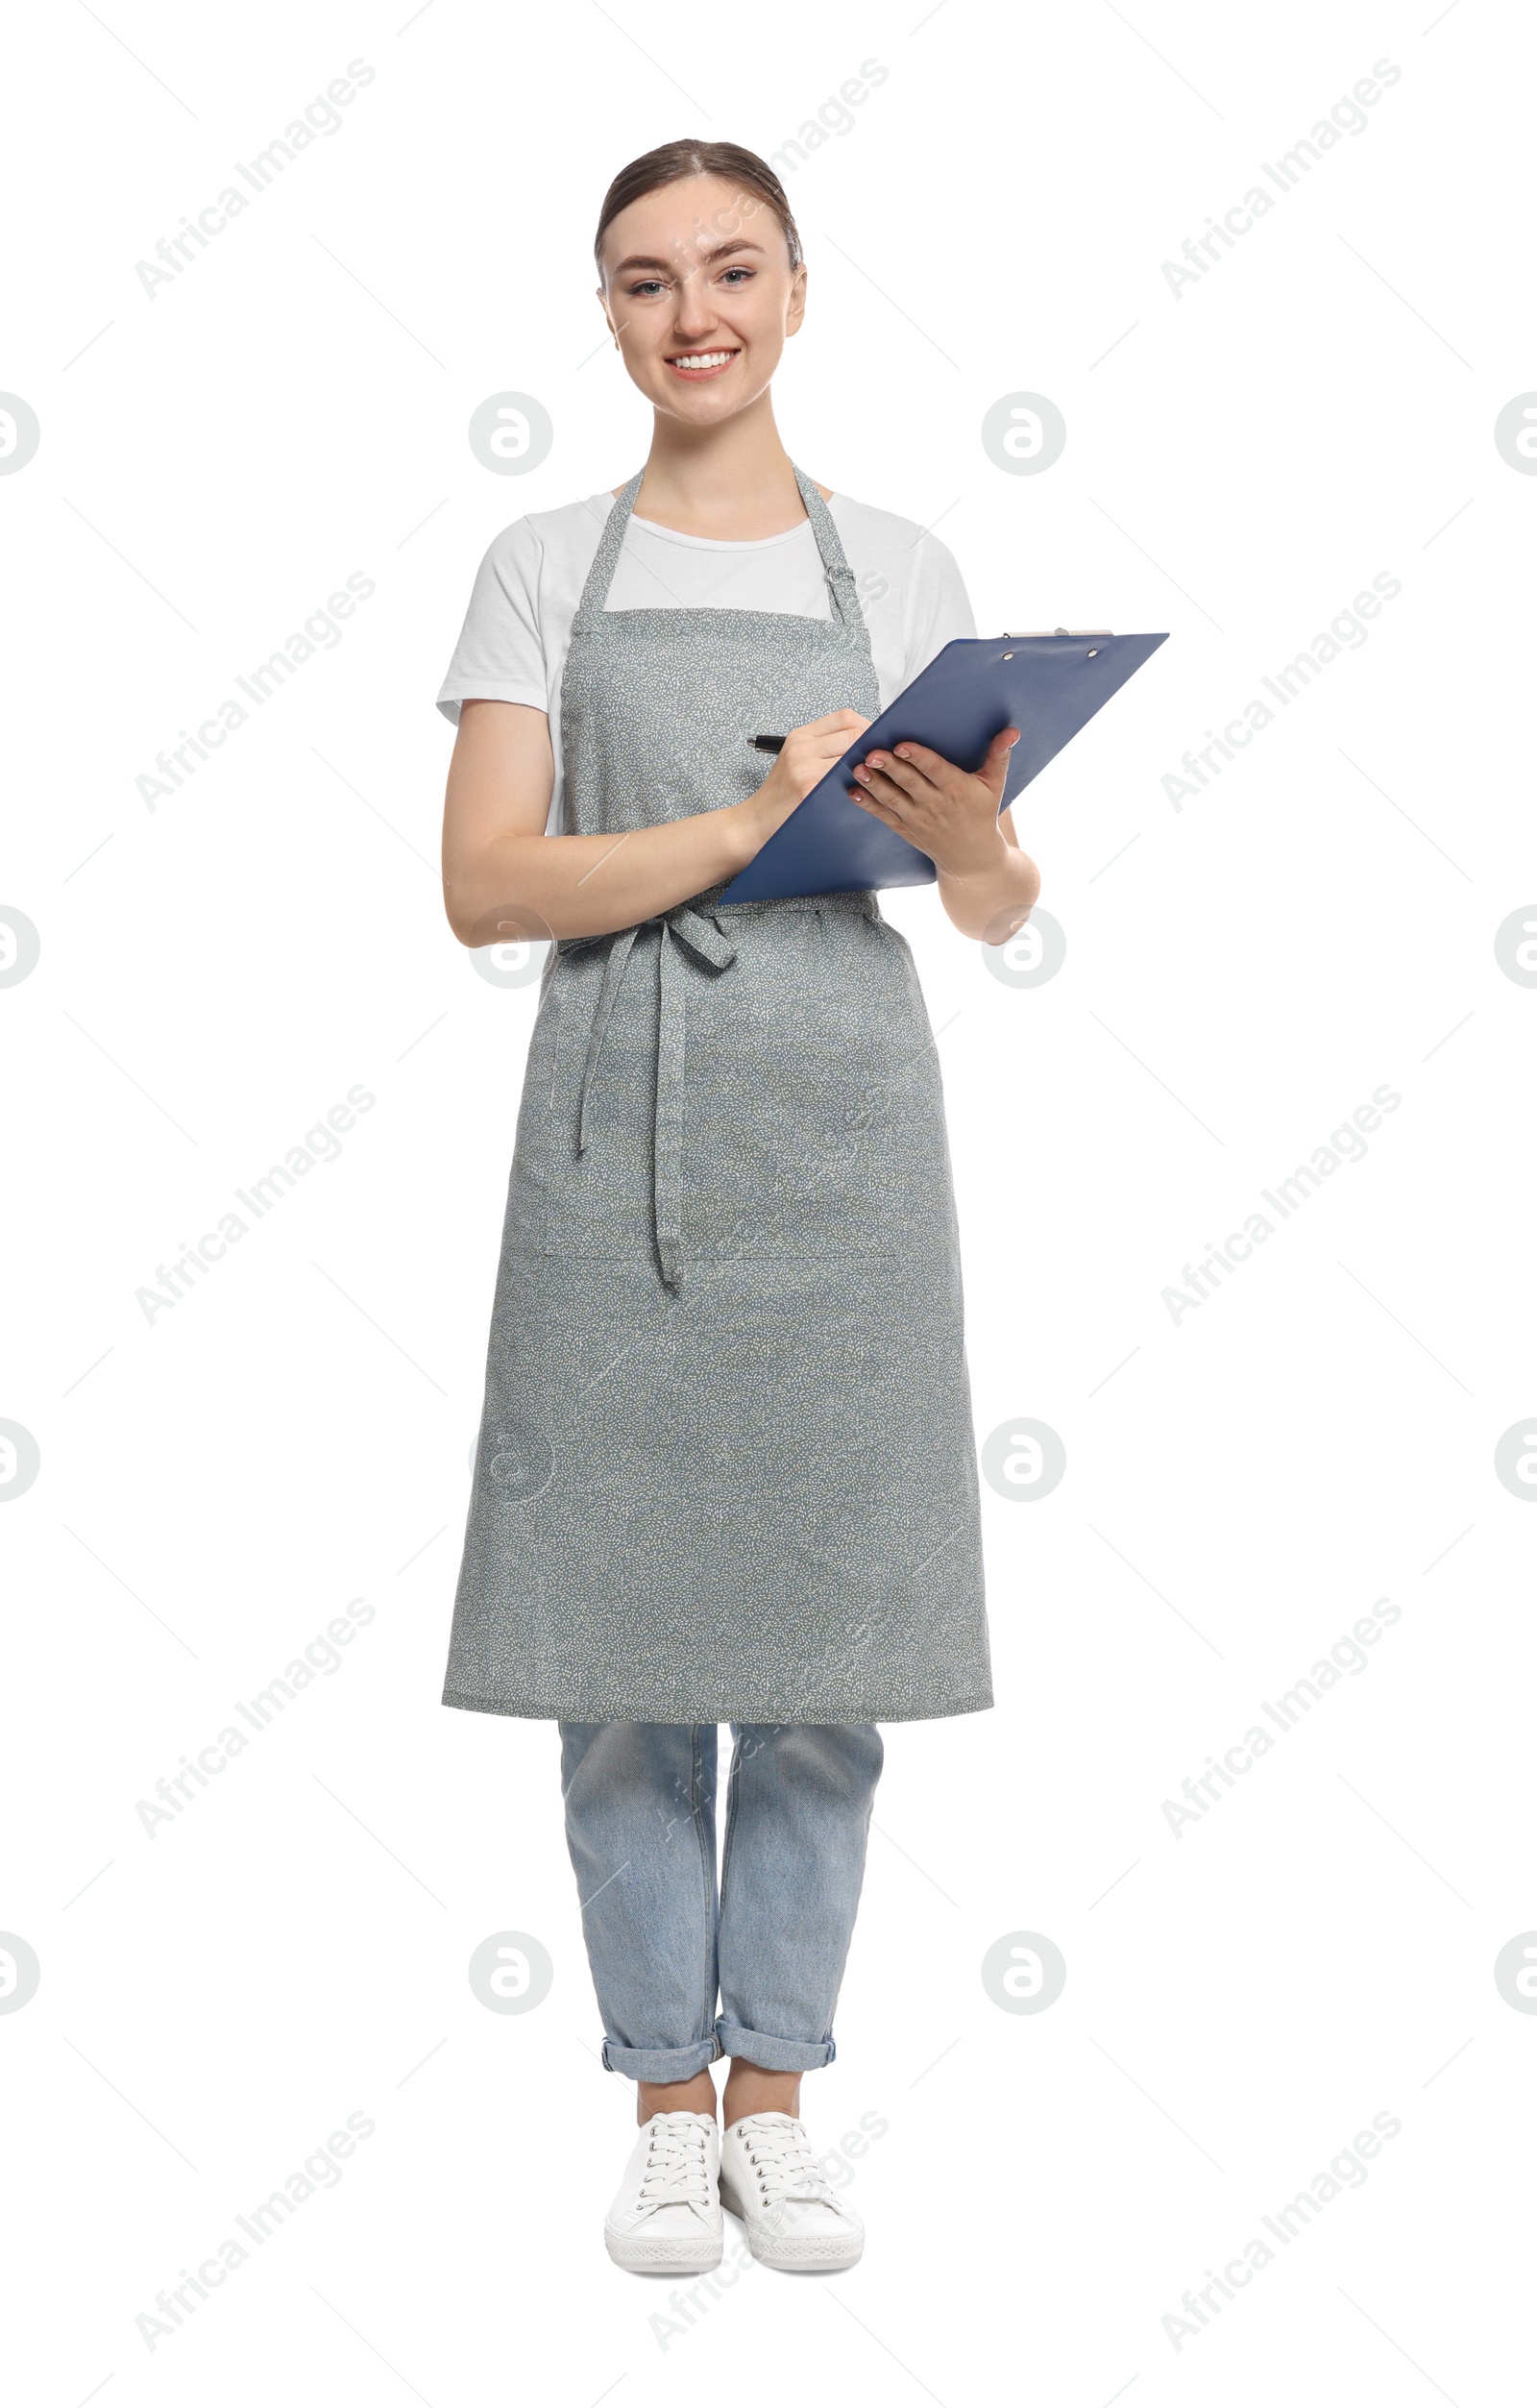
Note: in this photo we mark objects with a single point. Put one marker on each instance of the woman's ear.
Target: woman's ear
(795, 310)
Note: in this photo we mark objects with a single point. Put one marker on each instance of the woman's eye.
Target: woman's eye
(647, 285)
(742, 272)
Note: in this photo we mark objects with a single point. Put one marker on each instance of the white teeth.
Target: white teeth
(704, 359)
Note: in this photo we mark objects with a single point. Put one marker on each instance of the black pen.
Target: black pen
(768, 744)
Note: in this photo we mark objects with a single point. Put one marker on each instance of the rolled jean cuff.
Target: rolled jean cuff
(774, 2055)
(662, 2065)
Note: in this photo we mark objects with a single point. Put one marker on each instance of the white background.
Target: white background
(1241, 1485)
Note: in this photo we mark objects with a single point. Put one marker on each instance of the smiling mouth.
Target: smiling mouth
(697, 364)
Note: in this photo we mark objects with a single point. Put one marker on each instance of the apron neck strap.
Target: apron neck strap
(605, 560)
(847, 612)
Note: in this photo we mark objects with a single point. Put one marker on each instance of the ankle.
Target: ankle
(695, 2096)
(753, 2090)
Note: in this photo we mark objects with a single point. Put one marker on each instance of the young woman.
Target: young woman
(725, 1468)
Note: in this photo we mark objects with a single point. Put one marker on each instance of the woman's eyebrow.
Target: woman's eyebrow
(722, 250)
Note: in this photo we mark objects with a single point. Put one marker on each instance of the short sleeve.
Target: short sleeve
(499, 657)
(936, 607)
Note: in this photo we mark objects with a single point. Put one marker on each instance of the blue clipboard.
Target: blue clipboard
(1047, 686)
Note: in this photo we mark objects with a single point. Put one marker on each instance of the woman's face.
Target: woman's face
(699, 292)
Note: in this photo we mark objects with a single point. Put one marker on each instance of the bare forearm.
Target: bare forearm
(991, 901)
(582, 886)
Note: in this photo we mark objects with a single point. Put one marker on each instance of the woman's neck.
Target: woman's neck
(733, 484)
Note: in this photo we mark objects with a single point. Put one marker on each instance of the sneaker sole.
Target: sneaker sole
(809, 2255)
(640, 2256)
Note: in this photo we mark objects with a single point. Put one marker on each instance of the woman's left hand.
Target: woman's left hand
(948, 812)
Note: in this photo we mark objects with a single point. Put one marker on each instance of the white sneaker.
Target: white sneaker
(794, 2218)
(666, 2217)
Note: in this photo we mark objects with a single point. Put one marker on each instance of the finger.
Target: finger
(931, 764)
(834, 740)
(876, 810)
(943, 775)
(911, 776)
(885, 790)
(902, 775)
(873, 788)
(994, 768)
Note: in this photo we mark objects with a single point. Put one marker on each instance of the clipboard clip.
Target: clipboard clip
(1012, 635)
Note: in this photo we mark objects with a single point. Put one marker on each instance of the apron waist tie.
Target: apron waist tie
(685, 932)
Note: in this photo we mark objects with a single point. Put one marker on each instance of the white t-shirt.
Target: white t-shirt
(517, 630)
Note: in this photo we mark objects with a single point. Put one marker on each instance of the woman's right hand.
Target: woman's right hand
(802, 763)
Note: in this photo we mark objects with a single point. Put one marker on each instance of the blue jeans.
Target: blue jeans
(662, 1940)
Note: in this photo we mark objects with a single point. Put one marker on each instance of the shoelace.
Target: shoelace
(678, 2173)
(781, 2153)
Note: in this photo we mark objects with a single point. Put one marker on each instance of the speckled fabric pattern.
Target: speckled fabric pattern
(726, 1469)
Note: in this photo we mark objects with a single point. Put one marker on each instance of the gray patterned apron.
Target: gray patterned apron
(726, 1467)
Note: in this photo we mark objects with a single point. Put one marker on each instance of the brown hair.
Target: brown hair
(755, 180)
